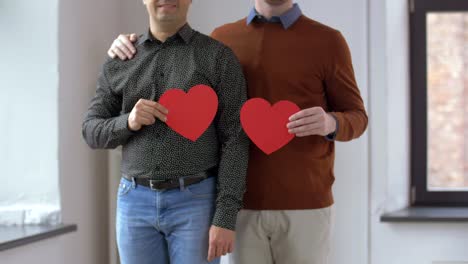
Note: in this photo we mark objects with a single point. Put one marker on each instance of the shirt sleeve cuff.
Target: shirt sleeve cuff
(121, 128)
(225, 218)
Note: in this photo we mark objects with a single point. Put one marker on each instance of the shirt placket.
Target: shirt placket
(159, 129)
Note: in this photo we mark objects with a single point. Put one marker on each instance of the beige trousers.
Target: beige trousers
(283, 237)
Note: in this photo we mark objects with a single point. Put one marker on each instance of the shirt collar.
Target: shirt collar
(185, 32)
(287, 19)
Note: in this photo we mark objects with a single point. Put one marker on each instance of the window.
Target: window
(439, 102)
(28, 113)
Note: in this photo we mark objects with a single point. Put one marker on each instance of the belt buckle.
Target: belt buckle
(152, 184)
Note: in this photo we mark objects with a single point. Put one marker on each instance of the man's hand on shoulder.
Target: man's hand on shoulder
(123, 47)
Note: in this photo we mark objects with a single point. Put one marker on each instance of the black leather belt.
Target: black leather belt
(161, 185)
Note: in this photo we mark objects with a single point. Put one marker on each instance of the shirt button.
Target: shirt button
(161, 74)
(158, 135)
(157, 168)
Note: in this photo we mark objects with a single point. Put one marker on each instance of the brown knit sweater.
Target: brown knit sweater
(310, 65)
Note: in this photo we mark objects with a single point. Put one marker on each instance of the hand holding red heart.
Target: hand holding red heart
(266, 124)
(312, 121)
(144, 113)
(191, 112)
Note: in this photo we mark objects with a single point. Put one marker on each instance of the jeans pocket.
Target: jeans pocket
(124, 187)
(203, 189)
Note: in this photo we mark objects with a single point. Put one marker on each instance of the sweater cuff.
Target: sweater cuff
(332, 136)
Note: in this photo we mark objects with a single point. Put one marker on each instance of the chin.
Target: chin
(166, 17)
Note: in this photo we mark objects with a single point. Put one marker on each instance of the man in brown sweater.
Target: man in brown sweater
(288, 213)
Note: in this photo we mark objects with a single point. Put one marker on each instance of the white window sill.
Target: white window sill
(427, 214)
(16, 236)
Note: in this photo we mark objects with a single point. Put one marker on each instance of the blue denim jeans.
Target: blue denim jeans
(159, 227)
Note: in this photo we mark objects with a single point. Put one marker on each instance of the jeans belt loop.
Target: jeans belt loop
(181, 184)
(151, 185)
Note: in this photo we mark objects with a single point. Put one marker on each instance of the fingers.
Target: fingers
(157, 106)
(145, 120)
(310, 122)
(155, 109)
(219, 251)
(214, 248)
(161, 108)
(303, 121)
(138, 118)
(306, 112)
(309, 133)
(123, 47)
(119, 53)
(230, 248)
(220, 242)
(154, 114)
(158, 115)
(152, 111)
(111, 54)
(305, 128)
(225, 250)
(133, 37)
(211, 252)
(145, 114)
(141, 112)
(123, 42)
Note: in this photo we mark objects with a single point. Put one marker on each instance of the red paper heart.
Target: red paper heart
(190, 114)
(266, 125)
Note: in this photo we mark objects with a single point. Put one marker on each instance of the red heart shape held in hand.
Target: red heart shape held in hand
(190, 114)
(266, 125)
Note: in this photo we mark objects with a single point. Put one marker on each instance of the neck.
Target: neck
(162, 31)
(269, 10)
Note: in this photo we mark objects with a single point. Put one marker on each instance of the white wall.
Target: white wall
(28, 96)
(86, 30)
(133, 17)
(403, 243)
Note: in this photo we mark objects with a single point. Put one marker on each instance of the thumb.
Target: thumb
(211, 252)
(133, 37)
(211, 249)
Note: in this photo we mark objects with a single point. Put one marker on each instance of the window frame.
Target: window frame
(420, 195)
